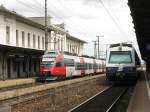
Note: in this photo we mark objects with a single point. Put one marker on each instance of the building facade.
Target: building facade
(60, 39)
(22, 43)
(74, 45)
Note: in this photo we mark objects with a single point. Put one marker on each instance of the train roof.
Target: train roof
(113, 47)
(120, 44)
(86, 56)
(68, 53)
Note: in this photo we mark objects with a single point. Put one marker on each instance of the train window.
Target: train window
(120, 57)
(83, 66)
(94, 66)
(78, 66)
(90, 66)
(99, 66)
(68, 62)
(86, 66)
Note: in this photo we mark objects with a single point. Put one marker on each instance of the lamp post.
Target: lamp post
(98, 44)
(95, 53)
(46, 36)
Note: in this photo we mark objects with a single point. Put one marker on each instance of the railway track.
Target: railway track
(37, 83)
(19, 88)
(52, 94)
(103, 101)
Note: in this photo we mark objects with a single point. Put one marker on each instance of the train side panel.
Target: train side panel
(58, 65)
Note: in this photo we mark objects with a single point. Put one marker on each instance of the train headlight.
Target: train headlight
(44, 72)
(130, 69)
(109, 69)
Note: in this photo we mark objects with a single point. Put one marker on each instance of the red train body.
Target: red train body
(57, 65)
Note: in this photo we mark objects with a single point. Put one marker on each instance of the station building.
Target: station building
(22, 43)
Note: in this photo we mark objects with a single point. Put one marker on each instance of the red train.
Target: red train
(59, 65)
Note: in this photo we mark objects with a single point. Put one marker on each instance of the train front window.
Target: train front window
(120, 57)
(47, 63)
(50, 55)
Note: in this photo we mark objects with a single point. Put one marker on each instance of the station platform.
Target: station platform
(140, 100)
(42, 87)
(15, 82)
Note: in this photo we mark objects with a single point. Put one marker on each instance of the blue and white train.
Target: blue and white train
(121, 63)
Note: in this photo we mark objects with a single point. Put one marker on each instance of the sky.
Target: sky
(84, 19)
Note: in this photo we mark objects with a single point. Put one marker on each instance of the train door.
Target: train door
(102, 66)
(82, 66)
(94, 66)
(70, 67)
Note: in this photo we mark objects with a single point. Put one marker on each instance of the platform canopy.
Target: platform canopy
(13, 49)
(140, 12)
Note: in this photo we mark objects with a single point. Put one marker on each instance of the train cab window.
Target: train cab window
(91, 66)
(120, 57)
(47, 63)
(76, 66)
(51, 54)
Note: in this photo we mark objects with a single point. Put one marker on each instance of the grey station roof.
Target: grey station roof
(140, 12)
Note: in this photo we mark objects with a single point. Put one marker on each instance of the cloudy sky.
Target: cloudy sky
(84, 19)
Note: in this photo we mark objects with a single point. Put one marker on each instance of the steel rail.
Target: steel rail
(107, 107)
(118, 98)
(107, 88)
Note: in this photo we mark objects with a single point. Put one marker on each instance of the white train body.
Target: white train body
(60, 65)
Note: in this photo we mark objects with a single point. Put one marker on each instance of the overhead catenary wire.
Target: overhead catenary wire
(113, 19)
(62, 18)
(39, 8)
(118, 26)
(30, 6)
(50, 11)
(68, 9)
(42, 5)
